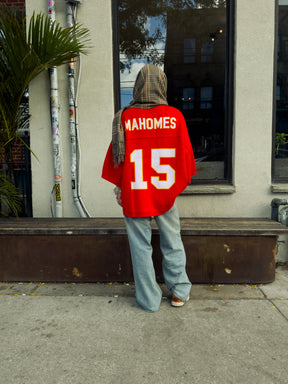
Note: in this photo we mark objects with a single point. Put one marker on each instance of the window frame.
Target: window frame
(229, 91)
(274, 179)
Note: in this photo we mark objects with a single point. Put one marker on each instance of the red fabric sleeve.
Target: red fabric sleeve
(110, 172)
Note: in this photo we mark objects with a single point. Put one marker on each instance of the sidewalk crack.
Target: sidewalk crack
(278, 309)
(263, 293)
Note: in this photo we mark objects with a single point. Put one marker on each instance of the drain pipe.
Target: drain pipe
(71, 7)
(275, 204)
(54, 110)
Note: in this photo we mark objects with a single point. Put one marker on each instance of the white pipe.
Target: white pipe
(73, 126)
(54, 107)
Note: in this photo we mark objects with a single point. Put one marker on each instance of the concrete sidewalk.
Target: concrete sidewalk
(96, 334)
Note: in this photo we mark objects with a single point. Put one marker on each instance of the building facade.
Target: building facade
(227, 86)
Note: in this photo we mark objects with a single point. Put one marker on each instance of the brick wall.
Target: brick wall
(15, 3)
(18, 154)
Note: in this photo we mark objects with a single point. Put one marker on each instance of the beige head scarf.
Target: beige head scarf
(150, 90)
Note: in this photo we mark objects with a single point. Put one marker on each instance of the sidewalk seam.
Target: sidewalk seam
(278, 309)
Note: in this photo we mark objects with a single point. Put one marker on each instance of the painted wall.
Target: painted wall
(95, 115)
(252, 138)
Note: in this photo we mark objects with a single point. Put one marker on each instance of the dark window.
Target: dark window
(188, 98)
(280, 152)
(206, 97)
(192, 41)
(207, 52)
(189, 50)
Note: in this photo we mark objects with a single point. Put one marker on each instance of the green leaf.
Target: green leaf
(22, 58)
(9, 197)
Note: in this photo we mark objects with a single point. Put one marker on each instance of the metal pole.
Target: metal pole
(73, 124)
(54, 108)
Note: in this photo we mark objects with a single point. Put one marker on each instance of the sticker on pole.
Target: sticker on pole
(57, 192)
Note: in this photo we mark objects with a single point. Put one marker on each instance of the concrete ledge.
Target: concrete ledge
(89, 250)
(195, 189)
(279, 188)
(116, 226)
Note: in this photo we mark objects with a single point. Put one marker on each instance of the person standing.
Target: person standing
(151, 161)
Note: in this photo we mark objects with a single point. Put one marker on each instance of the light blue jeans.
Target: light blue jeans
(148, 292)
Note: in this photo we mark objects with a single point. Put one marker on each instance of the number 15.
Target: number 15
(136, 157)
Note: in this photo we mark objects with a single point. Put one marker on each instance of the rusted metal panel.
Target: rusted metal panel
(65, 258)
(233, 259)
(83, 250)
(82, 258)
(229, 259)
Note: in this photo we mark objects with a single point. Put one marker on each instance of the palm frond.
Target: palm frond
(54, 45)
(9, 197)
(23, 57)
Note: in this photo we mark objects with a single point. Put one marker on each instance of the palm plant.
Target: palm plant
(280, 139)
(10, 200)
(24, 54)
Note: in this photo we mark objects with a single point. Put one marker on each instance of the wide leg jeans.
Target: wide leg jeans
(148, 292)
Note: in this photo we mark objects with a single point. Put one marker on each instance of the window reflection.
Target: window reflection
(207, 52)
(206, 96)
(280, 166)
(188, 98)
(189, 50)
(187, 39)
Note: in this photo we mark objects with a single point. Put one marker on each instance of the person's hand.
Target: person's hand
(117, 191)
(118, 198)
